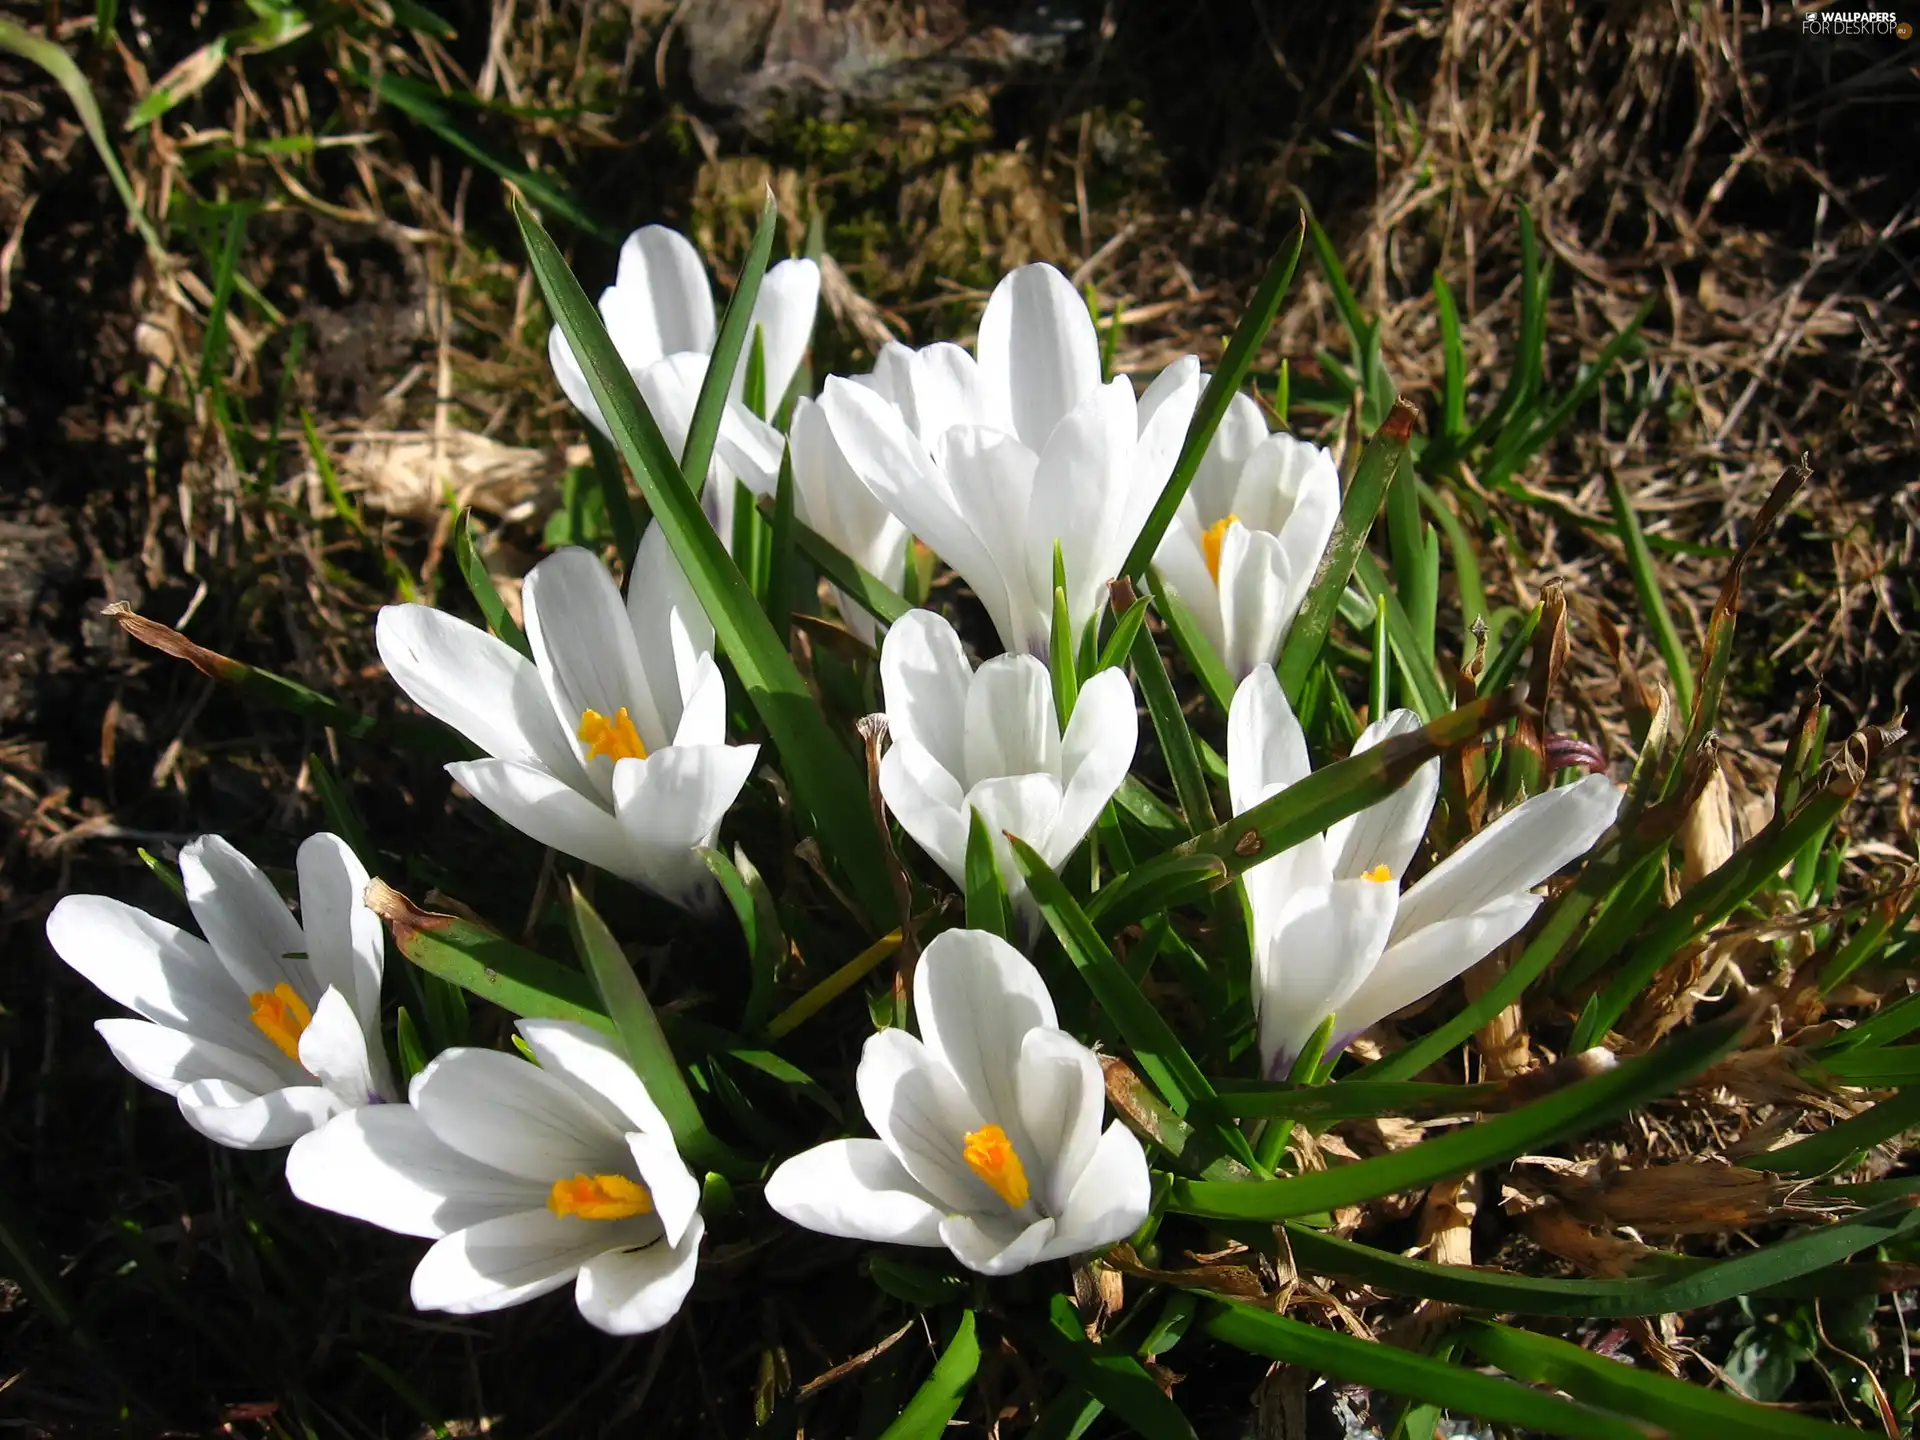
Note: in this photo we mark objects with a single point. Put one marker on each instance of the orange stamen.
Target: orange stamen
(281, 1016)
(600, 1197)
(616, 738)
(991, 1156)
(1379, 874)
(1211, 542)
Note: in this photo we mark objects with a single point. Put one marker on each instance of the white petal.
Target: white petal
(703, 721)
(584, 646)
(1165, 415)
(1255, 585)
(1110, 1199)
(514, 1258)
(672, 303)
(991, 476)
(573, 380)
(676, 1194)
(1025, 806)
(1217, 480)
(1082, 499)
(1039, 356)
(935, 388)
(156, 970)
(923, 1117)
(230, 1115)
(547, 811)
(783, 311)
(631, 1292)
(337, 1052)
(1290, 488)
(829, 497)
(501, 1111)
(1266, 749)
(481, 686)
(1062, 1095)
(976, 998)
(991, 1248)
(670, 629)
(750, 448)
(929, 805)
(244, 918)
(1095, 756)
(1328, 942)
(1389, 831)
(1428, 958)
(924, 680)
(381, 1164)
(1011, 725)
(671, 802)
(590, 1064)
(1180, 565)
(346, 947)
(855, 1189)
(1514, 854)
(169, 1059)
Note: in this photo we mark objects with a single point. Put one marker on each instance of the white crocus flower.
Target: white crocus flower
(526, 1177)
(660, 305)
(989, 740)
(1333, 932)
(267, 1027)
(829, 499)
(989, 1126)
(609, 744)
(1034, 452)
(1247, 539)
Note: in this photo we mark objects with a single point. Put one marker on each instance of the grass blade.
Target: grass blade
(938, 1399)
(480, 584)
(759, 921)
(1646, 582)
(1379, 462)
(1194, 647)
(875, 596)
(1114, 1378)
(987, 905)
(828, 783)
(1222, 386)
(1836, 1146)
(728, 343)
(1558, 1118)
(1170, 727)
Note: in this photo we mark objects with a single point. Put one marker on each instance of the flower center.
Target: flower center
(616, 738)
(281, 1016)
(600, 1197)
(1379, 874)
(991, 1156)
(1211, 542)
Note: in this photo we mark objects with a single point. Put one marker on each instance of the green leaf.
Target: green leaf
(615, 502)
(1646, 583)
(856, 582)
(937, 1401)
(1170, 727)
(1421, 687)
(987, 905)
(1194, 647)
(1453, 406)
(1558, 1118)
(729, 341)
(1402, 1372)
(637, 1029)
(1060, 666)
(1113, 1377)
(1158, 885)
(1684, 1284)
(780, 560)
(1671, 1407)
(1835, 1146)
(1120, 643)
(413, 1055)
(759, 921)
(166, 874)
(828, 783)
(480, 583)
(1379, 463)
(1222, 386)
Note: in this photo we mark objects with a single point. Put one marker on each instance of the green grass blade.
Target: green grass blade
(1838, 1144)
(1194, 647)
(987, 905)
(1667, 1407)
(1510, 455)
(1419, 1377)
(1158, 885)
(827, 781)
(1113, 1377)
(728, 344)
(874, 595)
(1222, 386)
(1416, 578)
(1379, 462)
(1421, 687)
(474, 570)
(1453, 403)
(938, 1399)
(1170, 728)
(1689, 1286)
(1359, 329)
(759, 919)
(1120, 643)
(614, 497)
(1556, 1119)
(1160, 1052)
(1646, 583)
(781, 565)
(637, 1029)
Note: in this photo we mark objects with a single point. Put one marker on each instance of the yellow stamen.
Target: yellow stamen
(991, 1156)
(282, 1016)
(1211, 542)
(600, 1197)
(616, 738)
(1379, 874)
